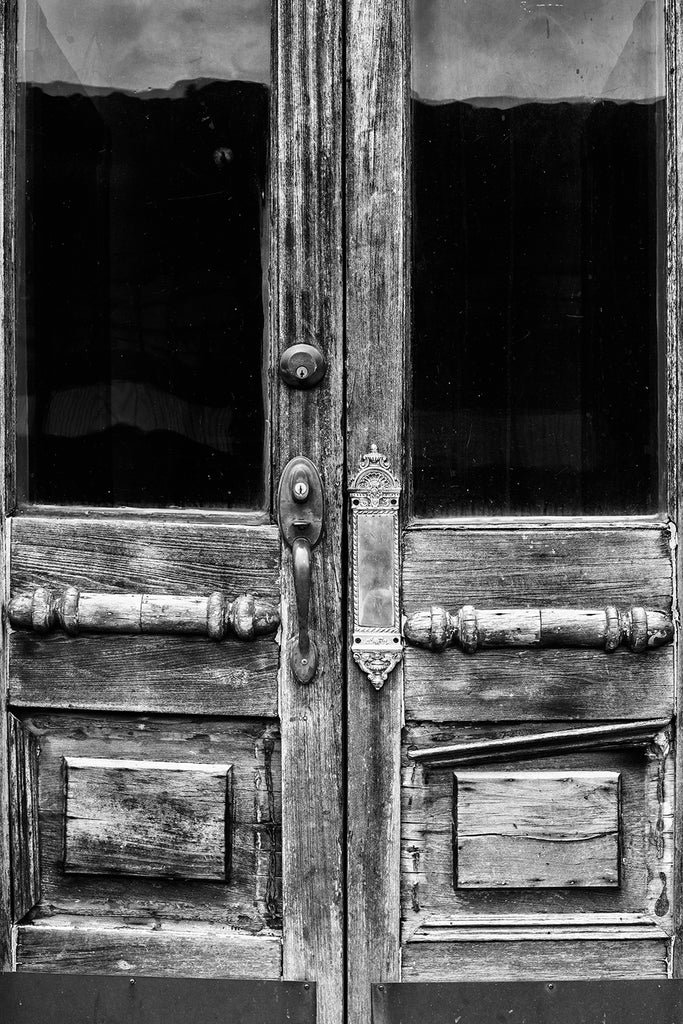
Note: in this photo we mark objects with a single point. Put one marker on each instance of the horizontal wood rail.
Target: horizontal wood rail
(471, 628)
(216, 616)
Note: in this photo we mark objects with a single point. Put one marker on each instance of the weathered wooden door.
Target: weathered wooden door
(512, 342)
(486, 257)
(174, 799)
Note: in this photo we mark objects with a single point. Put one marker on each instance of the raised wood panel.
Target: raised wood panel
(252, 900)
(646, 837)
(561, 567)
(179, 675)
(144, 555)
(523, 960)
(111, 947)
(23, 787)
(531, 830)
(159, 819)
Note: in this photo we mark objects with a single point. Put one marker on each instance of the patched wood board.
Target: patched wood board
(147, 818)
(536, 830)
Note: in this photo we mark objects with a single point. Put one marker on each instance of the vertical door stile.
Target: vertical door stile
(7, 135)
(674, 369)
(377, 322)
(307, 307)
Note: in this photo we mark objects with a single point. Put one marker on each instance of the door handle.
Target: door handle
(74, 611)
(300, 515)
(607, 628)
(304, 653)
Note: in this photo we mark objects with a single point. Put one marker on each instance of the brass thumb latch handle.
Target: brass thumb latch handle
(300, 514)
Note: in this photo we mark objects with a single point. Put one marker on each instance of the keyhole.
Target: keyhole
(302, 372)
(300, 490)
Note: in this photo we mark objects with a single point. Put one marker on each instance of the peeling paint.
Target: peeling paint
(662, 904)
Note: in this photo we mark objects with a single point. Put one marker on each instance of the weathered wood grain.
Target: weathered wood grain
(131, 555)
(252, 900)
(378, 324)
(307, 305)
(110, 947)
(536, 829)
(8, 109)
(180, 675)
(23, 793)
(151, 818)
(523, 960)
(528, 568)
(529, 685)
(646, 838)
(564, 567)
(674, 379)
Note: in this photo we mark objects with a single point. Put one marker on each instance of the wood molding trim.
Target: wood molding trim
(652, 733)
(538, 928)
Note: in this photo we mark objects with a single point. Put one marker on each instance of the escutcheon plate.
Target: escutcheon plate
(377, 643)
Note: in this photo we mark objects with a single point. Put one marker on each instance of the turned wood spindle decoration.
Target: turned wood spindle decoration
(77, 612)
(471, 629)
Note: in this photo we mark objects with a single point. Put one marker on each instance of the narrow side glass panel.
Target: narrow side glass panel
(539, 256)
(143, 177)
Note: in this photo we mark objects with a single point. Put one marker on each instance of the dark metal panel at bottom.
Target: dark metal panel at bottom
(521, 1002)
(97, 999)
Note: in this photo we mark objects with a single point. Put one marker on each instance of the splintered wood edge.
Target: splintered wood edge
(621, 735)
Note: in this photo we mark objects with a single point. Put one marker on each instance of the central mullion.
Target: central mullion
(377, 321)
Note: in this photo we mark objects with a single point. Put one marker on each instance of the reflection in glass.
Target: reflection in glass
(141, 283)
(538, 256)
(375, 566)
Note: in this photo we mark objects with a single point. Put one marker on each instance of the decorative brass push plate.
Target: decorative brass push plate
(377, 644)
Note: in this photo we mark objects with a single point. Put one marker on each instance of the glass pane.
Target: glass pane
(142, 270)
(539, 254)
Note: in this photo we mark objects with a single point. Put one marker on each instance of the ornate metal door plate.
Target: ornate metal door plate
(377, 644)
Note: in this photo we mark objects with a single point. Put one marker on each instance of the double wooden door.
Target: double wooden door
(476, 781)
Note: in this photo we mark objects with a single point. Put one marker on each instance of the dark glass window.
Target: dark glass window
(143, 251)
(538, 256)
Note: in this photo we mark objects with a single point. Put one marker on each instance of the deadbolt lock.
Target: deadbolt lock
(302, 366)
